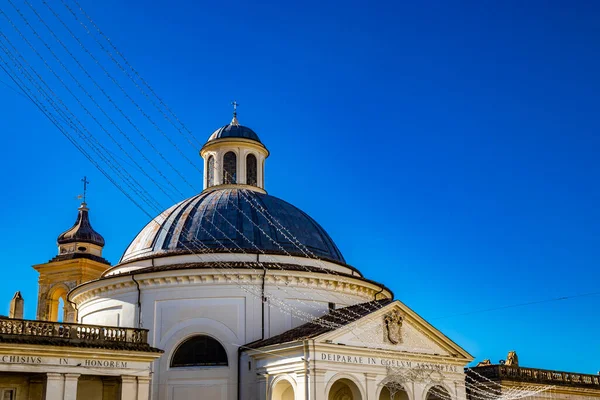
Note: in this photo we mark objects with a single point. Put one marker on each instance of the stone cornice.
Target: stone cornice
(535, 375)
(65, 351)
(353, 286)
(233, 141)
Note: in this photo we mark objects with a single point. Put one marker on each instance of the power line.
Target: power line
(521, 305)
(13, 89)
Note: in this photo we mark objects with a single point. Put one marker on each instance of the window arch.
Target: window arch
(200, 351)
(229, 168)
(251, 170)
(437, 393)
(57, 305)
(210, 173)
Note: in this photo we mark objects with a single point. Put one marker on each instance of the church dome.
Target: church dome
(81, 231)
(234, 131)
(233, 220)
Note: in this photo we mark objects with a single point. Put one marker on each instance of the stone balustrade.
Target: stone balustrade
(534, 375)
(74, 333)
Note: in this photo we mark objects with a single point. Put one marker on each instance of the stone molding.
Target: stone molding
(114, 284)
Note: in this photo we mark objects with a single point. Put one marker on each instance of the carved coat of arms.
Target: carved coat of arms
(393, 326)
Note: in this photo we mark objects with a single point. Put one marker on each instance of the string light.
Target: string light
(297, 243)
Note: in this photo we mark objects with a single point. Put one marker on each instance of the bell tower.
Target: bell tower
(79, 260)
(234, 156)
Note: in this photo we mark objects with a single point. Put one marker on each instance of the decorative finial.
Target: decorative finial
(85, 183)
(234, 120)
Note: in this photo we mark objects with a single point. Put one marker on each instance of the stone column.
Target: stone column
(71, 386)
(241, 178)
(219, 168)
(55, 386)
(128, 387)
(143, 388)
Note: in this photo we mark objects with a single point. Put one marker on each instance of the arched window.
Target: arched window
(229, 168)
(200, 351)
(251, 167)
(210, 174)
(57, 309)
(60, 317)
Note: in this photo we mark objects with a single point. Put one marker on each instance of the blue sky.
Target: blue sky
(449, 148)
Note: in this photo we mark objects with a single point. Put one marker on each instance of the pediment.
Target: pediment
(395, 327)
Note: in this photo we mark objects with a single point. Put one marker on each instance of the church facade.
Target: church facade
(250, 298)
(230, 294)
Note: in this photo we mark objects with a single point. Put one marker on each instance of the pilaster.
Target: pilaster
(318, 384)
(128, 387)
(71, 386)
(263, 386)
(302, 378)
(460, 390)
(143, 388)
(371, 386)
(55, 386)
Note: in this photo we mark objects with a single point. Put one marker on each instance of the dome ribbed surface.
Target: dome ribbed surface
(81, 231)
(235, 220)
(234, 131)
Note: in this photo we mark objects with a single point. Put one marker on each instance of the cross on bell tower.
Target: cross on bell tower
(85, 183)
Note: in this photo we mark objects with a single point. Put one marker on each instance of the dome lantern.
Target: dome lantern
(234, 156)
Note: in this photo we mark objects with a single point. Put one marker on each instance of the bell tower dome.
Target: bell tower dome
(234, 156)
(81, 238)
(79, 260)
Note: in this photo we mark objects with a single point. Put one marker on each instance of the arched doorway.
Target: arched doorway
(438, 393)
(283, 390)
(393, 391)
(344, 389)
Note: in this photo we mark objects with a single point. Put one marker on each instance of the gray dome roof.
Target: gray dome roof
(234, 131)
(82, 230)
(225, 220)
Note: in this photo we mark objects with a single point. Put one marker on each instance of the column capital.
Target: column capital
(72, 376)
(129, 386)
(302, 373)
(54, 375)
(143, 388)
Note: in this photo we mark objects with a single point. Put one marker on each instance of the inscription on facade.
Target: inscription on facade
(386, 362)
(75, 362)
